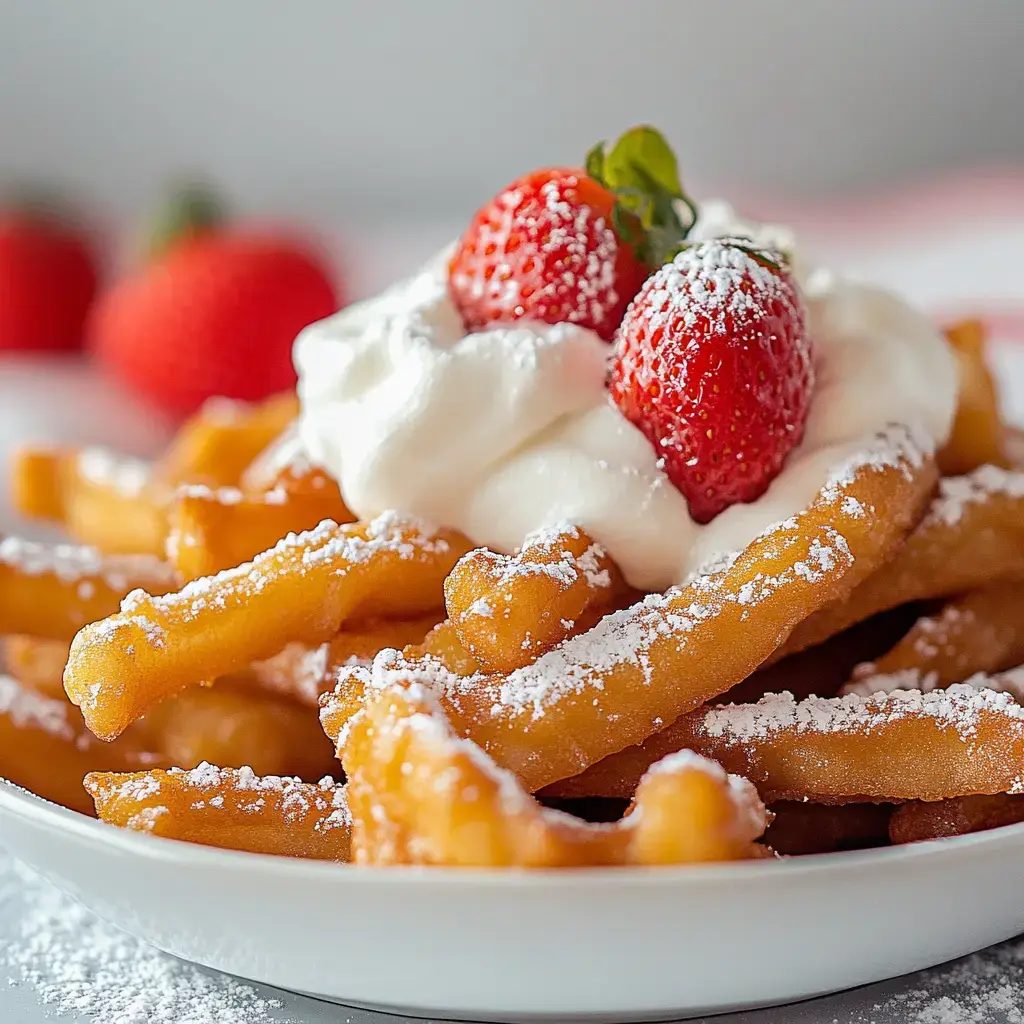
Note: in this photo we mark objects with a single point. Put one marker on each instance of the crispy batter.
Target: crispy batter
(45, 747)
(301, 591)
(304, 673)
(972, 537)
(237, 725)
(507, 611)
(223, 438)
(979, 434)
(212, 530)
(979, 632)
(902, 745)
(234, 809)
(916, 821)
(604, 690)
(38, 664)
(420, 795)
(52, 590)
(100, 498)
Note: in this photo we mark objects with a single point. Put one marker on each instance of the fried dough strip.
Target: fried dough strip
(45, 747)
(507, 611)
(221, 440)
(301, 591)
(978, 436)
(917, 821)
(52, 590)
(234, 809)
(887, 747)
(613, 686)
(800, 828)
(980, 632)
(212, 530)
(102, 499)
(971, 538)
(38, 664)
(420, 795)
(304, 673)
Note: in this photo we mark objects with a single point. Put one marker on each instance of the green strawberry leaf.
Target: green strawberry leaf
(642, 173)
(641, 156)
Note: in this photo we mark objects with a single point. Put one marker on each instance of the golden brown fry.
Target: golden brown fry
(301, 591)
(45, 747)
(101, 499)
(916, 821)
(234, 809)
(972, 537)
(213, 530)
(217, 445)
(888, 747)
(420, 795)
(238, 725)
(979, 435)
(980, 632)
(304, 673)
(350, 684)
(799, 828)
(639, 668)
(507, 611)
(52, 590)
(36, 663)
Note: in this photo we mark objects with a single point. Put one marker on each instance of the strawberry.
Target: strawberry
(47, 280)
(567, 244)
(214, 312)
(713, 364)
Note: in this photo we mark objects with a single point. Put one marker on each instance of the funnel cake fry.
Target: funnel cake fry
(902, 745)
(972, 537)
(420, 795)
(212, 530)
(102, 499)
(234, 809)
(300, 591)
(979, 632)
(507, 611)
(917, 821)
(51, 590)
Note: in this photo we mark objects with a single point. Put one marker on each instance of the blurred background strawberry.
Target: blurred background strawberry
(213, 310)
(48, 277)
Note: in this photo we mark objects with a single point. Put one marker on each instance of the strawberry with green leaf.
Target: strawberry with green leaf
(573, 245)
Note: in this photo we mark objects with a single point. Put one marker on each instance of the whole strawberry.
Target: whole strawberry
(47, 280)
(713, 364)
(214, 312)
(568, 244)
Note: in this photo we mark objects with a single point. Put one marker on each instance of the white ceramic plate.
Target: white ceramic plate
(597, 944)
(511, 946)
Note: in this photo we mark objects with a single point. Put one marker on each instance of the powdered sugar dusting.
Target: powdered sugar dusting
(959, 707)
(249, 791)
(325, 545)
(28, 710)
(79, 564)
(957, 492)
(1010, 682)
(128, 477)
(79, 966)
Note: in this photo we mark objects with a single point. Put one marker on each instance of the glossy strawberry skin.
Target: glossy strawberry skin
(545, 249)
(713, 365)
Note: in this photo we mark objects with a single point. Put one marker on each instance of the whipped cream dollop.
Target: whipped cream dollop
(505, 431)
